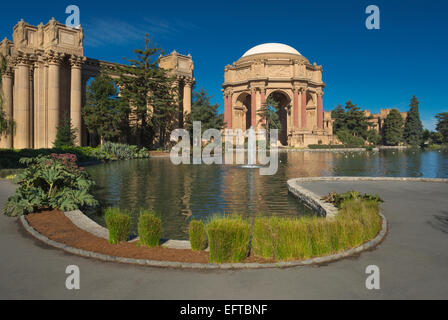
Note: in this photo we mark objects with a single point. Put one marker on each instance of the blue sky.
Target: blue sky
(374, 68)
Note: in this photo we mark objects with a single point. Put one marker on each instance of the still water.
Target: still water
(179, 193)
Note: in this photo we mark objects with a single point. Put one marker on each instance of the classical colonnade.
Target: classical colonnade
(46, 77)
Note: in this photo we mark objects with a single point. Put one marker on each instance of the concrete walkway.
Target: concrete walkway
(413, 261)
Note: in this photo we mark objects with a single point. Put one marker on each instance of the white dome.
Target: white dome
(271, 48)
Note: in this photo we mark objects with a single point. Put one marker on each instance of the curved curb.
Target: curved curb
(187, 265)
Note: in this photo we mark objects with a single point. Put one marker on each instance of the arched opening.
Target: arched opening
(243, 111)
(283, 104)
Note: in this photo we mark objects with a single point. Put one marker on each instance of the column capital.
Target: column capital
(76, 61)
(52, 57)
(22, 59)
(188, 82)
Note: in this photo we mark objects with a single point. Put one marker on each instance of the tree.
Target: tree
(268, 114)
(101, 113)
(355, 120)
(66, 134)
(442, 125)
(393, 128)
(338, 114)
(148, 89)
(413, 128)
(203, 110)
(373, 137)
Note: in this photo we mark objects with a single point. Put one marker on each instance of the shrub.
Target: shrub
(197, 235)
(149, 229)
(118, 224)
(54, 182)
(337, 199)
(228, 239)
(122, 151)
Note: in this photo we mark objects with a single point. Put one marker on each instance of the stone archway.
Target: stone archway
(243, 111)
(283, 110)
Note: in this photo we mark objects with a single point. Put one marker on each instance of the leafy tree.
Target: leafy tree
(349, 140)
(338, 114)
(393, 128)
(148, 90)
(203, 110)
(373, 137)
(413, 128)
(442, 125)
(66, 134)
(268, 114)
(436, 137)
(355, 120)
(101, 113)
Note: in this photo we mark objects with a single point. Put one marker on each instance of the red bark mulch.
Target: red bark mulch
(56, 226)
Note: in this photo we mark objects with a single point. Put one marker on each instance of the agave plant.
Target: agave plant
(53, 182)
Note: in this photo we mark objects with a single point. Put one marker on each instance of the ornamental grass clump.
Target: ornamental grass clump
(198, 236)
(278, 238)
(228, 239)
(118, 224)
(149, 229)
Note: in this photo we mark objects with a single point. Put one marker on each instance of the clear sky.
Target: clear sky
(374, 68)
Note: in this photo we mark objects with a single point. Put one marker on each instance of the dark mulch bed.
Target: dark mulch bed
(56, 226)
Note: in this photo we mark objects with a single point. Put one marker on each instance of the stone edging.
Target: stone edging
(309, 197)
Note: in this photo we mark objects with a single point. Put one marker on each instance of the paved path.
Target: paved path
(413, 261)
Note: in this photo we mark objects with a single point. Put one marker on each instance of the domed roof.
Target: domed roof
(271, 48)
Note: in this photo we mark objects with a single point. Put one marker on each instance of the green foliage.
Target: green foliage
(203, 110)
(349, 140)
(442, 125)
(393, 128)
(123, 151)
(228, 239)
(373, 137)
(143, 83)
(300, 238)
(118, 224)
(102, 114)
(268, 113)
(413, 127)
(149, 229)
(54, 182)
(66, 134)
(337, 199)
(326, 146)
(352, 120)
(197, 235)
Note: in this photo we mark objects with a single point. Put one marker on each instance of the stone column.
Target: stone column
(229, 105)
(21, 112)
(227, 110)
(320, 111)
(31, 97)
(6, 141)
(187, 96)
(253, 110)
(296, 109)
(54, 66)
(303, 108)
(75, 97)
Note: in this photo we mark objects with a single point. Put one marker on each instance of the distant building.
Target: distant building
(377, 121)
(279, 71)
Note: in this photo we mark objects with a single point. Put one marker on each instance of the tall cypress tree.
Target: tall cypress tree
(393, 128)
(66, 134)
(413, 128)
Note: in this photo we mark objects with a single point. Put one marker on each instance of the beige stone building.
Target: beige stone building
(46, 77)
(377, 119)
(279, 71)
